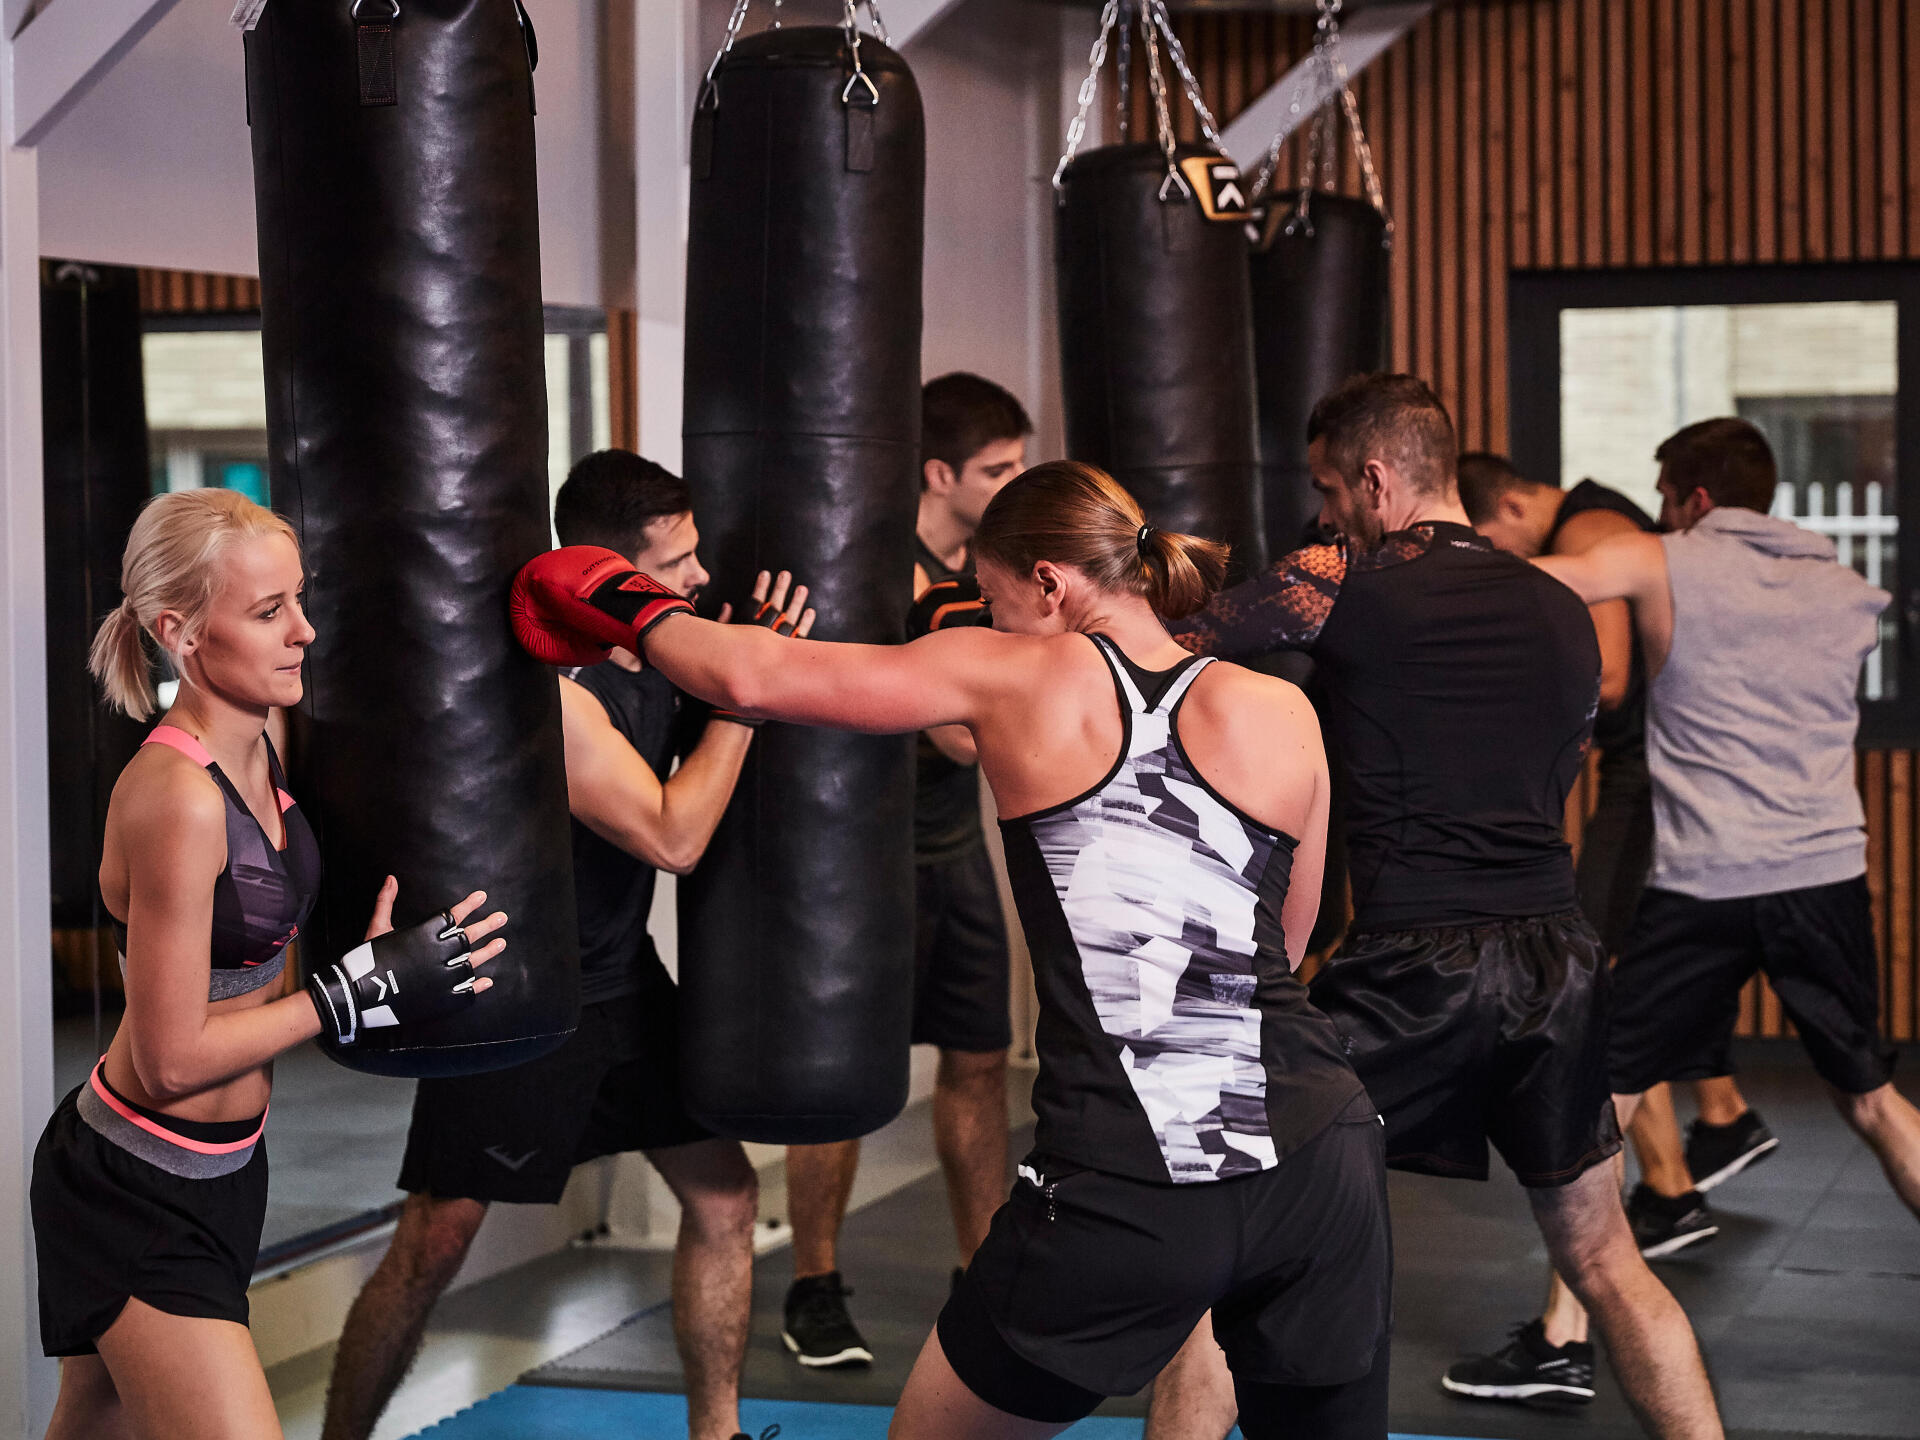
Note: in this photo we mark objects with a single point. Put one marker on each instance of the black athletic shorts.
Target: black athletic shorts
(960, 958)
(1678, 984)
(1090, 1282)
(515, 1135)
(1469, 1034)
(1616, 848)
(111, 1225)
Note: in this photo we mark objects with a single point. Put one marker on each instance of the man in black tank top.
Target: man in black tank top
(973, 440)
(1470, 994)
(613, 1087)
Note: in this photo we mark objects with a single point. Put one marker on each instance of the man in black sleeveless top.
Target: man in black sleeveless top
(1470, 993)
(973, 440)
(515, 1135)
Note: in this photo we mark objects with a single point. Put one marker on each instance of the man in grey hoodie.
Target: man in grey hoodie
(1753, 636)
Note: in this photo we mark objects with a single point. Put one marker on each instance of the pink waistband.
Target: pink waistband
(134, 1117)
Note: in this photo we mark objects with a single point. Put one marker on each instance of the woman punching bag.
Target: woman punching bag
(1319, 272)
(802, 432)
(406, 408)
(1156, 350)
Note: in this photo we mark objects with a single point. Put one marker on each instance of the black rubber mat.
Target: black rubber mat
(1807, 1303)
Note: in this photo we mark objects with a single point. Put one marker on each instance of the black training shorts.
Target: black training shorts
(109, 1226)
(960, 957)
(515, 1135)
(1679, 979)
(1093, 1281)
(1470, 1034)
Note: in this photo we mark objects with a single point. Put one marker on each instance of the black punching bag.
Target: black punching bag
(1156, 351)
(1319, 316)
(94, 424)
(802, 428)
(406, 407)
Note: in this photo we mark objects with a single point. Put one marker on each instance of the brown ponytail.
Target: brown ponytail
(1075, 514)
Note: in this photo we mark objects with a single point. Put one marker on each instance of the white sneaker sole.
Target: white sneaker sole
(1534, 1391)
(852, 1355)
(1728, 1171)
(1679, 1242)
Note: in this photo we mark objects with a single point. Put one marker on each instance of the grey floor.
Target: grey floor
(334, 1145)
(1807, 1304)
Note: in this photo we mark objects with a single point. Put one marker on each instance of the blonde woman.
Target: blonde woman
(150, 1182)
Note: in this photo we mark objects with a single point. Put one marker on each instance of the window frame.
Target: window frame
(1536, 298)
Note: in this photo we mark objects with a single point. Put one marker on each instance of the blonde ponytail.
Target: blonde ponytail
(172, 562)
(119, 662)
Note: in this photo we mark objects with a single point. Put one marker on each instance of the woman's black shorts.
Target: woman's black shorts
(110, 1225)
(1088, 1283)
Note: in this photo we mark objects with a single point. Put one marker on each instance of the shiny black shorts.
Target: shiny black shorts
(1088, 1283)
(515, 1135)
(1678, 984)
(1469, 1034)
(961, 967)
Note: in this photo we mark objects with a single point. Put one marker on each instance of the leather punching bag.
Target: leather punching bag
(1156, 354)
(1319, 316)
(406, 409)
(802, 430)
(94, 423)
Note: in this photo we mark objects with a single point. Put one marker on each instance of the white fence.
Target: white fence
(1865, 542)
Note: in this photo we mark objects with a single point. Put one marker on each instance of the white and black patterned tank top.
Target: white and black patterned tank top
(1175, 1043)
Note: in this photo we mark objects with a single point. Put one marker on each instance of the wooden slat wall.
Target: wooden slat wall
(1558, 134)
(188, 292)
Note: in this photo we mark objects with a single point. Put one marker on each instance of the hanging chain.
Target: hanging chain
(1124, 67)
(1178, 54)
(859, 75)
(776, 12)
(879, 25)
(1157, 87)
(1322, 139)
(708, 95)
(1089, 87)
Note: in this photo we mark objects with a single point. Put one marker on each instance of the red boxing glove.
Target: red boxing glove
(570, 605)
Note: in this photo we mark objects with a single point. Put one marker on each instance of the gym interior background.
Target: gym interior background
(1611, 217)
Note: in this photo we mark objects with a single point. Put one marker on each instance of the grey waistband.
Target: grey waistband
(173, 1156)
(225, 984)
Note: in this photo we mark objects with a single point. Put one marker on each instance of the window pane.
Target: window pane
(1818, 380)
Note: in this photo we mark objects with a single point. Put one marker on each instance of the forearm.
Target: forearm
(228, 1044)
(695, 796)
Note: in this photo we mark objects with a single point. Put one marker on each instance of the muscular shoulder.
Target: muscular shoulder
(1264, 709)
(1589, 528)
(164, 803)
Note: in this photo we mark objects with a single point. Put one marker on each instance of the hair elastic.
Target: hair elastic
(1140, 538)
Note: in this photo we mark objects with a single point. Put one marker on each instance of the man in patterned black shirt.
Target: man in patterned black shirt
(1470, 994)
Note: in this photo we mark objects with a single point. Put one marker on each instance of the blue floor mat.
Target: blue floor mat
(542, 1412)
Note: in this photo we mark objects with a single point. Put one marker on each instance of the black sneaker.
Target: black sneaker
(1717, 1153)
(1662, 1224)
(1527, 1369)
(818, 1329)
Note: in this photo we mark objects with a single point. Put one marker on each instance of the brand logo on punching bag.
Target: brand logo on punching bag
(1216, 181)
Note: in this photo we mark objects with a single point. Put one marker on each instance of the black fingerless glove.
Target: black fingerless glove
(399, 978)
(947, 605)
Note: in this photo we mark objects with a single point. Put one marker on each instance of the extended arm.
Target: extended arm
(1612, 619)
(1623, 567)
(1283, 609)
(570, 604)
(613, 791)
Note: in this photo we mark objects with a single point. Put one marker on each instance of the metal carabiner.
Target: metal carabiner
(360, 8)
